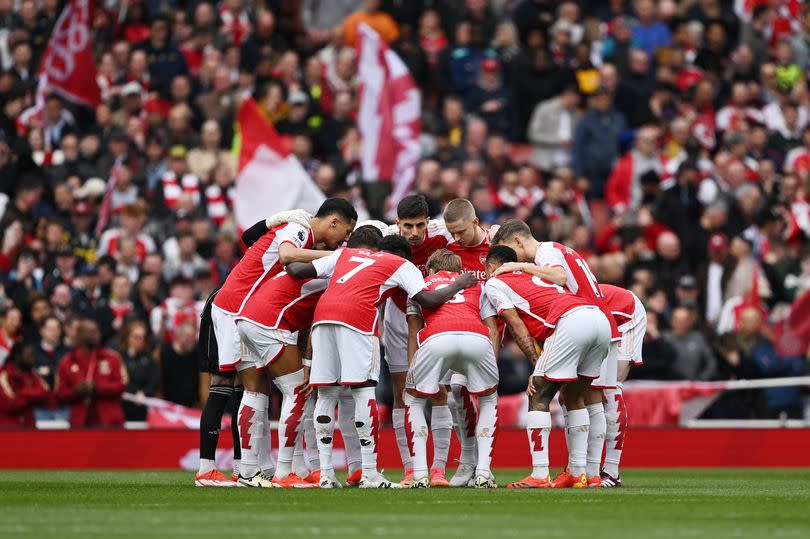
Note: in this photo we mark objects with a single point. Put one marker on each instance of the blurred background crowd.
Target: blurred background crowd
(668, 142)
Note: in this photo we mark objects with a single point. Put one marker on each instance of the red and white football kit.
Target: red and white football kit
(395, 334)
(631, 318)
(345, 348)
(454, 338)
(259, 263)
(273, 316)
(581, 281)
(574, 332)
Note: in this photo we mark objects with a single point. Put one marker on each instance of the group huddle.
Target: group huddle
(304, 307)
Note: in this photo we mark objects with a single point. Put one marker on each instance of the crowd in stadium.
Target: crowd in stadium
(667, 142)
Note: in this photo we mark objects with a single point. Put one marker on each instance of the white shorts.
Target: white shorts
(453, 378)
(261, 346)
(228, 347)
(395, 339)
(343, 355)
(577, 347)
(633, 336)
(468, 354)
(609, 370)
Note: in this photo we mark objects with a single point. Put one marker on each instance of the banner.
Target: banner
(388, 116)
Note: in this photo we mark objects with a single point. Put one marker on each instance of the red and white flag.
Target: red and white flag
(67, 67)
(270, 178)
(105, 211)
(388, 116)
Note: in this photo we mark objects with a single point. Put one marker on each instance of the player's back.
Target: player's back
(284, 302)
(538, 303)
(361, 281)
(260, 262)
(461, 314)
(620, 301)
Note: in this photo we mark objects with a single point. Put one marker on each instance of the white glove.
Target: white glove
(379, 225)
(299, 217)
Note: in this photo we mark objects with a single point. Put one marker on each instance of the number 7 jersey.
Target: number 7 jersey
(360, 281)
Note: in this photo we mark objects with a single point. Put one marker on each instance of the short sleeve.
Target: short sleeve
(486, 307)
(409, 278)
(325, 266)
(497, 293)
(292, 233)
(548, 255)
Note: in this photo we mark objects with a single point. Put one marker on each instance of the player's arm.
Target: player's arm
(415, 324)
(552, 274)
(321, 268)
(289, 253)
(433, 299)
(492, 325)
(301, 270)
(252, 234)
(521, 334)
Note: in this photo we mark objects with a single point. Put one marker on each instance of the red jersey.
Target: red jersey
(259, 263)
(473, 259)
(284, 302)
(538, 303)
(462, 314)
(360, 281)
(620, 302)
(110, 240)
(109, 376)
(436, 237)
(20, 391)
(579, 278)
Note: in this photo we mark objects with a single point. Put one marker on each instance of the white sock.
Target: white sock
(596, 438)
(485, 432)
(251, 417)
(368, 427)
(538, 427)
(398, 418)
(465, 419)
(267, 461)
(616, 418)
(289, 421)
(299, 463)
(417, 432)
(565, 431)
(351, 442)
(577, 425)
(441, 427)
(206, 465)
(310, 440)
(325, 426)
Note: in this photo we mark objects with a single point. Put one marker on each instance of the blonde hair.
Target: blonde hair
(444, 260)
(459, 209)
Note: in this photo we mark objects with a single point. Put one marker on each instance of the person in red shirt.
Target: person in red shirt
(471, 243)
(575, 336)
(425, 236)
(91, 379)
(563, 266)
(345, 348)
(461, 335)
(21, 389)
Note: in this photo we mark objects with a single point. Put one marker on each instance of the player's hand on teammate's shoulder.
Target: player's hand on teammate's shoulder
(466, 280)
(509, 267)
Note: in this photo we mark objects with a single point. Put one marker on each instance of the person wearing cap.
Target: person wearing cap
(552, 128)
(490, 100)
(131, 103)
(82, 236)
(596, 141)
(296, 122)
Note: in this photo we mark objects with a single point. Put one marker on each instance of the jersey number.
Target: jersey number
(458, 298)
(589, 275)
(362, 263)
(540, 282)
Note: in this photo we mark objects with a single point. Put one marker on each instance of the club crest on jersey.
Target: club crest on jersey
(483, 259)
(104, 367)
(301, 235)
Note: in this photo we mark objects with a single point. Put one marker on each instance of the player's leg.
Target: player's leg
(398, 418)
(287, 373)
(597, 430)
(236, 401)
(219, 393)
(252, 426)
(325, 375)
(417, 431)
(538, 428)
(310, 455)
(578, 425)
(465, 416)
(351, 442)
(478, 363)
(441, 429)
(616, 419)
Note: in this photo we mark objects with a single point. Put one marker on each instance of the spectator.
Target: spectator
(49, 350)
(179, 364)
(649, 33)
(624, 191)
(596, 142)
(142, 370)
(551, 130)
(21, 389)
(91, 379)
(694, 357)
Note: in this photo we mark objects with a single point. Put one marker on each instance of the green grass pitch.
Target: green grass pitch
(652, 504)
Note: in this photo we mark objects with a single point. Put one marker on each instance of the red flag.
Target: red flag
(106, 203)
(68, 61)
(388, 116)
